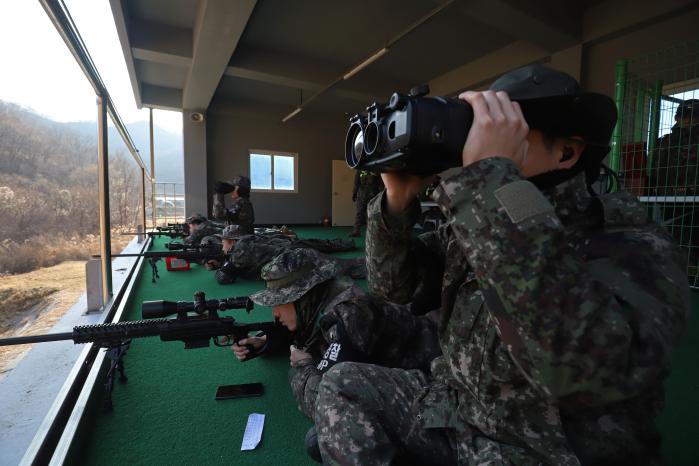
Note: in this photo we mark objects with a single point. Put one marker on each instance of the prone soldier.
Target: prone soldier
(199, 228)
(332, 320)
(247, 254)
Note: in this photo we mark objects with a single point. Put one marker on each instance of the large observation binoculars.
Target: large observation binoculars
(411, 133)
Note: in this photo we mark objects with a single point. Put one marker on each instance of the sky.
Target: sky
(37, 70)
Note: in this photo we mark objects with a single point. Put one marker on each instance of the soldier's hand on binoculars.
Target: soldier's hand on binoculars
(499, 128)
(402, 188)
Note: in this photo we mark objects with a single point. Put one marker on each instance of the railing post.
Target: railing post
(654, 126)
(103, 177)
(619, 91)
(143, 200)
(152, 165)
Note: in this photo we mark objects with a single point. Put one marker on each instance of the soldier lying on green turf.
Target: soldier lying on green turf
(333, 320)
(199, 228)
(247, 254)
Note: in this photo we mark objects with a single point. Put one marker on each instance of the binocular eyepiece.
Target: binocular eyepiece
(413, 133)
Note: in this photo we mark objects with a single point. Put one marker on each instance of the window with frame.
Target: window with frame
(273, 171)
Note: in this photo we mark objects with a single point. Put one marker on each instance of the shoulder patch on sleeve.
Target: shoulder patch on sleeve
(522, 200)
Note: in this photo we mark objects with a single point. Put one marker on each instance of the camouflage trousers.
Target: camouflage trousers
(325, 245)
(367, 415)
(218, 211)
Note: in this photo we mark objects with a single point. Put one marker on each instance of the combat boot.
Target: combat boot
(312, 447)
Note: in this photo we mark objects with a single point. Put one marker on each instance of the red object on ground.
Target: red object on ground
(633, 166)
(175, 264)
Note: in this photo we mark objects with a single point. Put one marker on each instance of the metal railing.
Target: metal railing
(58, 427)
(656, 141)
(168, 203)
(60, 17)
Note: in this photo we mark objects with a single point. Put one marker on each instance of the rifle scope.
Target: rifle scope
(200, 305)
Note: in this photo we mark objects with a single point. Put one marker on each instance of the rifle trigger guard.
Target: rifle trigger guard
(223, 345)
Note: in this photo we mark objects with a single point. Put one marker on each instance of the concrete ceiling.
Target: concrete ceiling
(188, 53)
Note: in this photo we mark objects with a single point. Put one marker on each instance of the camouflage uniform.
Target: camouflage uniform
(338, 321)
(205, 228)
(252, 252)
(240, 211)
(366, 186)
(674, 171)
(558, 316)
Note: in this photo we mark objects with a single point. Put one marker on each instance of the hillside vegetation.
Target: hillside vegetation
(49, 194)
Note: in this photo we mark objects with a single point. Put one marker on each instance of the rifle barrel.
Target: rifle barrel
(36, 338)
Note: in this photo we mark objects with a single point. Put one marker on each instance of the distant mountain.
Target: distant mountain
(169, 163)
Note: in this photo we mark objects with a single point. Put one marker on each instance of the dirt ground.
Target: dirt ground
(32, 303)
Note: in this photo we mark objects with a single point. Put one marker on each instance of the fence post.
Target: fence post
(103, 178)
(656, 96)
(619, 91)
(152, 166)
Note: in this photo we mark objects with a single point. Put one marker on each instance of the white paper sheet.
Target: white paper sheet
(253, 431)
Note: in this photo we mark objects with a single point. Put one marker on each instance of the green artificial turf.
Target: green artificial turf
(678, 422)
(167, 414)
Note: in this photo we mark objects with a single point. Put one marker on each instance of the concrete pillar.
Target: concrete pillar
(93, 285)
(194, 142)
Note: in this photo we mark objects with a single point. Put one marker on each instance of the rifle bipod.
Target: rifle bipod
(153, 261)
(116, 357)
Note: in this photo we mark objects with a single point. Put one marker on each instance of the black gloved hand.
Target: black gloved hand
(223, 187)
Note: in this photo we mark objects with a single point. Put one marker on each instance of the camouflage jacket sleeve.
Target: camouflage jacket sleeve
(196, 236)
(591, 332)
(395, 258)
(356, 324)
(304, 381)
(355, 188)
(356, 330)
(218, 210)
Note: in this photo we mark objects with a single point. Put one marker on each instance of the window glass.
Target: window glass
(261, 171)
(284, 172)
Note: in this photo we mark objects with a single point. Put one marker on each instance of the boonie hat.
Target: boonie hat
(292, 274)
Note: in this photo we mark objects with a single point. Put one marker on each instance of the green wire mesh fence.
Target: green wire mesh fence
(168, 203)
(656, 142)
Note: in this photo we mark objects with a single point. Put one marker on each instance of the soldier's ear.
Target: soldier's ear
(571, 150)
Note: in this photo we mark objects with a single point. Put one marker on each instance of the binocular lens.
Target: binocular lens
(371, 138)
(354, 145)
(359, 145)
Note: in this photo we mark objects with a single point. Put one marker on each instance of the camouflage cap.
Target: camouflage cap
(210, 241)
(292, 274)
(233, 232)
(242, 181)
(196, 218)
